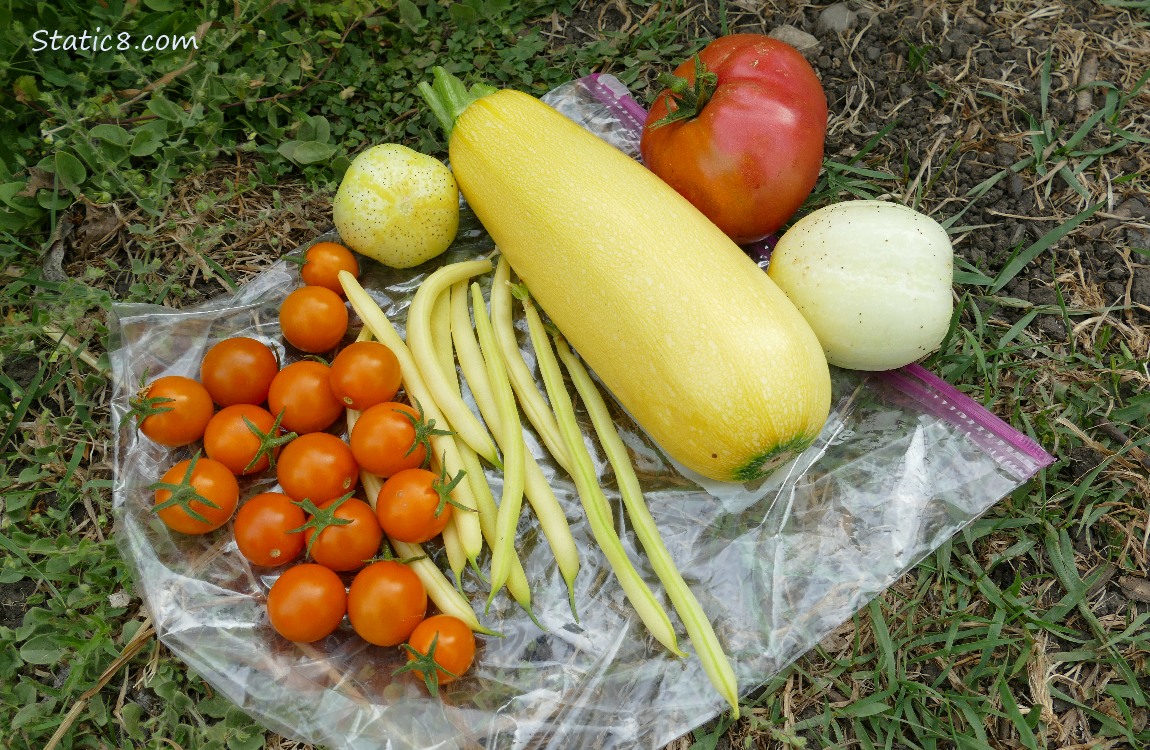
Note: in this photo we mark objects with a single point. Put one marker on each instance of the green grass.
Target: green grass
(956, 655)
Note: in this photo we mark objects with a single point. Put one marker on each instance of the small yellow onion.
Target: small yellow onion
(873, 280)
(397, 205)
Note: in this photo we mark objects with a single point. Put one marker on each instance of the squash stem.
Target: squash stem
(447, 96)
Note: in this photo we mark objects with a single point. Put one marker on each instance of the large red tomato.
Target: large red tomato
(745, 144)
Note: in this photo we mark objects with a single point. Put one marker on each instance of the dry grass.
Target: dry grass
(221, 227)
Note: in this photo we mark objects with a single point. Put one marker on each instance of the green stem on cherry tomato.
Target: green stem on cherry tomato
(321, 518)
(424, 428)
(426, 665)
(595, 504)
(270, 442)
(444, 485)
(702, 634)
(143, 406)
(184, 494)
(386, 554)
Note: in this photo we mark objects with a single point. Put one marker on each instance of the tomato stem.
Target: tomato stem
(144, 406)
(424, 431)
(184, 494)
(443, 486)
(387, 554)
(321, 518)
(425, 664)
(270, 441)
(686, 99)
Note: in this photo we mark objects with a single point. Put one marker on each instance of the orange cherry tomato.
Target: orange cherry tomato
(322, 263)
(410, 507)
(196, 496)
(307, 602)
(385, 602)
(390, 437)
(342, 534)
(441, 649)
(239, 370)
(365, 373)
(244, 438)
(265, 529)
(173, 410)
(302, 393)
(313, 319)
(317, 466)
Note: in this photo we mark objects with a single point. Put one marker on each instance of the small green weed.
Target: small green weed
(918, 57)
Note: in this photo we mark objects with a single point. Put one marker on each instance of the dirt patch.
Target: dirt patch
(12, 602)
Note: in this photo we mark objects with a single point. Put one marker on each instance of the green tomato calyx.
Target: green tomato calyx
(686, 99)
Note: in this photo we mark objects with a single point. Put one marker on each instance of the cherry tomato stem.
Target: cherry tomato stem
(196, 495)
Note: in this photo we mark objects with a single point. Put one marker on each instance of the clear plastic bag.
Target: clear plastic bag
(904, 463)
